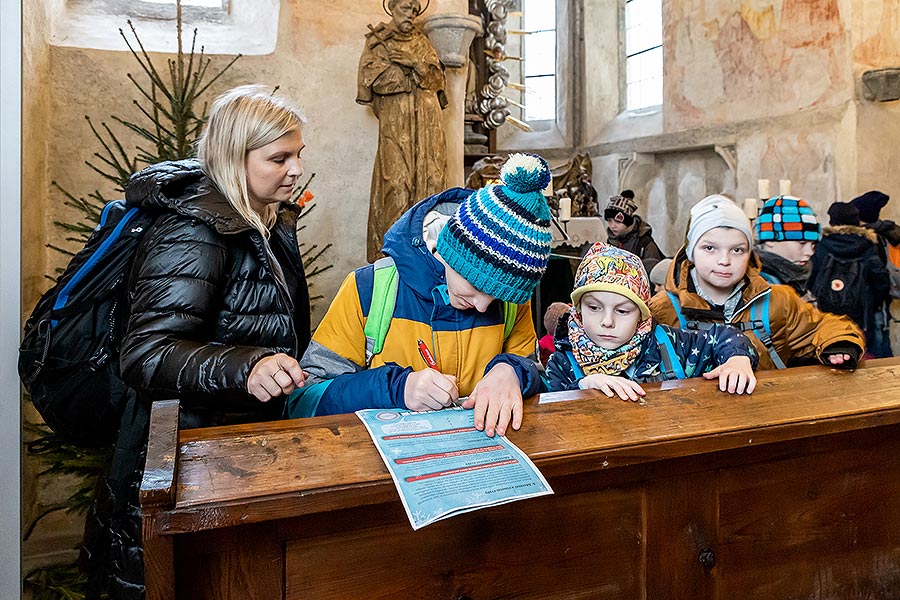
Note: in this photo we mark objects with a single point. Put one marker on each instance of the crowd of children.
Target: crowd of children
(459, 331)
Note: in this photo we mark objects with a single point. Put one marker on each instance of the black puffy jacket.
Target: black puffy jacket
(209, 297)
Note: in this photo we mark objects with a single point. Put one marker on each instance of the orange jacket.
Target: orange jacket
(799, 330)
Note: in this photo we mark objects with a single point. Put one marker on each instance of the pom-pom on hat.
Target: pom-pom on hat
(843, 213)
(606, 268)
(785, 218)
(870, 205)
(499, 238)
(620, 208)
(715, 211)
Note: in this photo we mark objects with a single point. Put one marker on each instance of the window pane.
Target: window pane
(539, 15)
(540, 98)
(540, 53)
(643, 25)
(644, 81)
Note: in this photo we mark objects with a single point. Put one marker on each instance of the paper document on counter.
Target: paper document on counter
(443, 466)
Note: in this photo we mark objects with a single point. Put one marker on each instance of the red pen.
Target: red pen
(426, 356)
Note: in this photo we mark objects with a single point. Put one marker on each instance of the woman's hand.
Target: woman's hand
(497, 400)
(274, 376)
(613, 386)
(429, 389)
(735, 375)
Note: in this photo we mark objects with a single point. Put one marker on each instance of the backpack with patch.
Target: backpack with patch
(840, 287)
(384, 298)
(68, 359)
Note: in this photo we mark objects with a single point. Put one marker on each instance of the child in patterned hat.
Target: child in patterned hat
(626, 230)
(786, 234)
(612, 344)
(466, 264)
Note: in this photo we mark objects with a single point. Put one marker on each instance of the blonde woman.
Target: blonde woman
(219, 309)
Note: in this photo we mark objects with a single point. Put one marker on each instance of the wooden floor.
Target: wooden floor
(788, 493)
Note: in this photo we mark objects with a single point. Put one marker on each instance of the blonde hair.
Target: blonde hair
(243, 119)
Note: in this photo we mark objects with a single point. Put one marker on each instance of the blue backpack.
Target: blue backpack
(69, 356)
(759, 323)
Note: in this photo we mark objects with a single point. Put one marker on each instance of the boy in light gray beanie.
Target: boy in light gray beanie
(715, 279)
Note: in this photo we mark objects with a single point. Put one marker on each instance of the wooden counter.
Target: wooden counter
(793, 492)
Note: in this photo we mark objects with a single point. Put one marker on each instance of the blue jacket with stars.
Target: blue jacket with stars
(691, 354)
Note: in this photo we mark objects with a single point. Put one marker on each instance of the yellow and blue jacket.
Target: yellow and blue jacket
(466, 344)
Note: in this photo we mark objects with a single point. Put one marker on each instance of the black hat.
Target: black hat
(870, 205)
(843, 213)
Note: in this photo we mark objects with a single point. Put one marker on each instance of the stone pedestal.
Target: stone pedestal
(451, 35)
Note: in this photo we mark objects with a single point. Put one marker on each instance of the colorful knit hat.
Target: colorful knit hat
(608, 269)
(620, 208)
(499, 238)
(784, 219)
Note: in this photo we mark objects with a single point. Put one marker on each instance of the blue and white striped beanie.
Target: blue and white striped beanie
(499, 238)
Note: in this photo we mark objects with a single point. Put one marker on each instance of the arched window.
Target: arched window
(643, 54)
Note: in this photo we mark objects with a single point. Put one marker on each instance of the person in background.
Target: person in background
(658, 275)
(715, 279)
(219, 306)
(463, 260)
(786, 234)
(628, 231)
(848, 278)
(551, 318)
(869, 206)
(610, 342)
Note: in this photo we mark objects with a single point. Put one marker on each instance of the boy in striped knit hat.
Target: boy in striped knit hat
(467, 264)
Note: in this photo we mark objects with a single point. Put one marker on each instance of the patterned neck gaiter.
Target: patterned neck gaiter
(594, 359)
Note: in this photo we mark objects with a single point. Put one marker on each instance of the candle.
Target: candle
(784, 187)
(548, 191)
(565, 208)
(750, 208)
(763, 187)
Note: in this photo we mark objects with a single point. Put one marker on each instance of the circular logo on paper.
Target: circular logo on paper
(837, 285)
(387, 416)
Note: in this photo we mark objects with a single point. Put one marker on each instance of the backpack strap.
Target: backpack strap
(770, 278)
(381, 310)
(668, 357)
(385, 283)
(760, 325)
(576, 368)
(677, 306)
(509, 318)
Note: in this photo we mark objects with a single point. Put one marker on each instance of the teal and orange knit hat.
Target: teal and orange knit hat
(499, 237)
(606, 268)
(784, 219)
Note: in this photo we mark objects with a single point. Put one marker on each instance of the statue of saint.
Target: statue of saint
(402, 79)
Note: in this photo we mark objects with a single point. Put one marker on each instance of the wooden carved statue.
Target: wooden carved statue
(575, 181)
(402, 79)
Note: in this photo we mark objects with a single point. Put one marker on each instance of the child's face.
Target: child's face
(463, 295)
(616, 227)
(609, 319)
(795, 251)
(721, 257)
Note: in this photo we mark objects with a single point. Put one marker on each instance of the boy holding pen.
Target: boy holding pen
(465, 260)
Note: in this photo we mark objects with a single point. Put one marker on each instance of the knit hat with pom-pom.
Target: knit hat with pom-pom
(499, 238)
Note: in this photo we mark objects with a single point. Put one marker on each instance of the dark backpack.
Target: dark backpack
(840, 287)
(69, 357)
